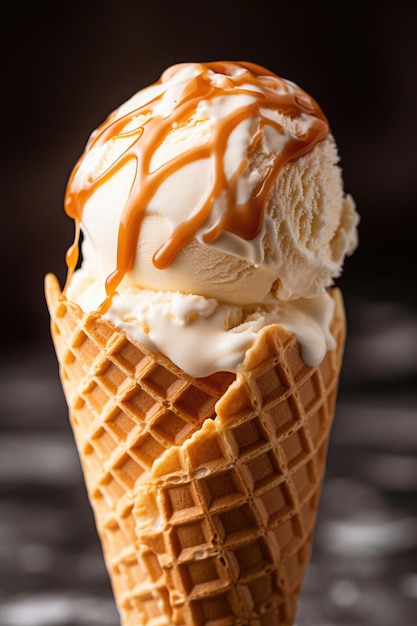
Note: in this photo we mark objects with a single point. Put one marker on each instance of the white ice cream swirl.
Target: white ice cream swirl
(211, 203)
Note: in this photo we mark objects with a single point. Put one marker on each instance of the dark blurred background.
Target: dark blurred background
(65, 67)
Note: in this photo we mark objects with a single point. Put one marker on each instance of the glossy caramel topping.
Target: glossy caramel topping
(267, 92)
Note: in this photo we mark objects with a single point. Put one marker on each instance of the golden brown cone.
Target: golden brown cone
(205, 491)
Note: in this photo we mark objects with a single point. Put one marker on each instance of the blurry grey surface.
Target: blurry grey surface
(363, 570)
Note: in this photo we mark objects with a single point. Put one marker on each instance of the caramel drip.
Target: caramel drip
(244, 220)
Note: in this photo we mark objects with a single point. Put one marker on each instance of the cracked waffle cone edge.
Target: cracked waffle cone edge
(204, 491)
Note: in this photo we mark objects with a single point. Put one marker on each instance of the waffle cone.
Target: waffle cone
(204, 491)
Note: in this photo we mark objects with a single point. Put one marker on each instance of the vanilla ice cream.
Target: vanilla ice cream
(210, 204)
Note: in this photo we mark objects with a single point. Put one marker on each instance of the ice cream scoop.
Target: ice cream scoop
(220, 183)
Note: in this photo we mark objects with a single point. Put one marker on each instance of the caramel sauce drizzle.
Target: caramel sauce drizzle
(244, 220)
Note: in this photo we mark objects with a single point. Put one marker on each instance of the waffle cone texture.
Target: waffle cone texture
(205, 491)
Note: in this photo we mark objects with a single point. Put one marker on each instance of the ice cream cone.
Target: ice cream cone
(205, 491)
